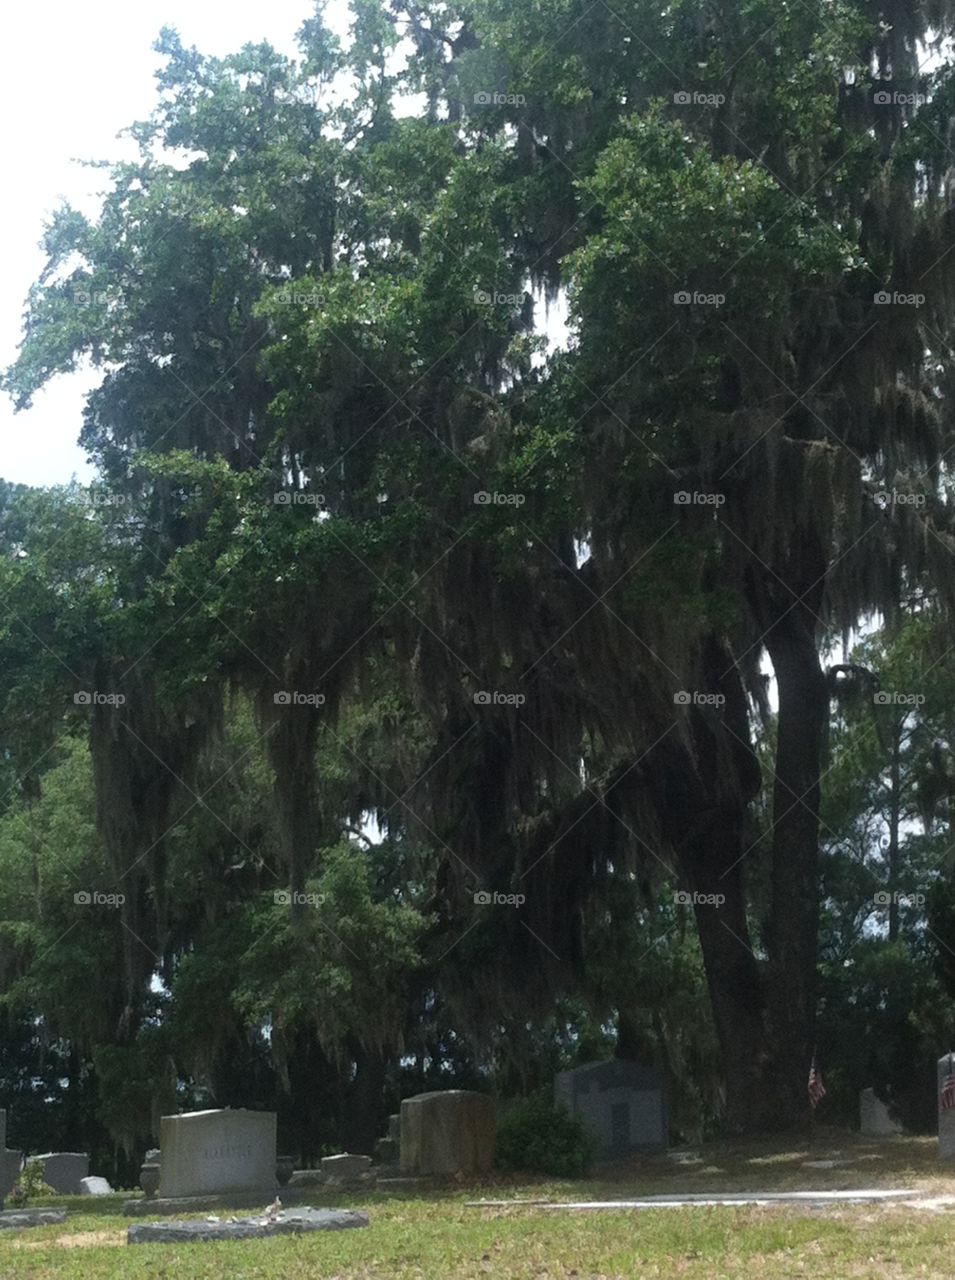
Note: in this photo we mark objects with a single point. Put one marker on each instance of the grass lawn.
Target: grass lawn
(437, 1235)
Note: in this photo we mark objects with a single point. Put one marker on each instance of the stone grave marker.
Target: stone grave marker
(621, 1103)
(946, 1118)
(208, 1152)
(447, 1132)
(387, 1149)
(10, 1161)
(345, 1167)
(874, 1118)
(95, 1187)
(64, 1170)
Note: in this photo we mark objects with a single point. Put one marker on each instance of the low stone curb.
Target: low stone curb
(11, 1218)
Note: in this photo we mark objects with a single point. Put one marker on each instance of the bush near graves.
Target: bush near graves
(30, 1185)
(535, 1135)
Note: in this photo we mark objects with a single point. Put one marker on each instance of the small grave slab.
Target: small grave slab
(11, 1218)
(288, 1222)
(345, 1166)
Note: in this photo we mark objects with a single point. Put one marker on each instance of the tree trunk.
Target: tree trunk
(732, 969)
(365, 1122)
(895, 811)
(792, 931)
(712, 857)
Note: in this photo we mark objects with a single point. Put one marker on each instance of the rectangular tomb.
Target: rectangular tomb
(621, 1103)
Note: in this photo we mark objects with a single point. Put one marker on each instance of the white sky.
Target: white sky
(73, 77)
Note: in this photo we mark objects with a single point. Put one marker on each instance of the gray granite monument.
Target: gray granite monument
(621, 1103)
(207, 1152)
(63, 1170)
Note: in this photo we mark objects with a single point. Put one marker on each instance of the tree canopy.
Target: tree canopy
(438, 700)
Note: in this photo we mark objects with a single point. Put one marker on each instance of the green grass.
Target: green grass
(437, 1235)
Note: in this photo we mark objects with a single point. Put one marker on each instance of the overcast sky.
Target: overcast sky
(73, 77)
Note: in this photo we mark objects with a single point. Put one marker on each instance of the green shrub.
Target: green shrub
(30, 1184)
(536, 1135)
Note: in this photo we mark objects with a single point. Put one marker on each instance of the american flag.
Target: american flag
(947, 1099)
(817, 1090)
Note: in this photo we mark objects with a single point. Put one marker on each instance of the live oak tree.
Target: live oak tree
(314, 309)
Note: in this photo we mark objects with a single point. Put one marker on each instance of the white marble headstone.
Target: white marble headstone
(874, 1118)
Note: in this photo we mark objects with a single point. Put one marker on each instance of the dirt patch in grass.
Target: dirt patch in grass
(77, 1240)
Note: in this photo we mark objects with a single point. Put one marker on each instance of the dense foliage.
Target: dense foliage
(396, 709)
